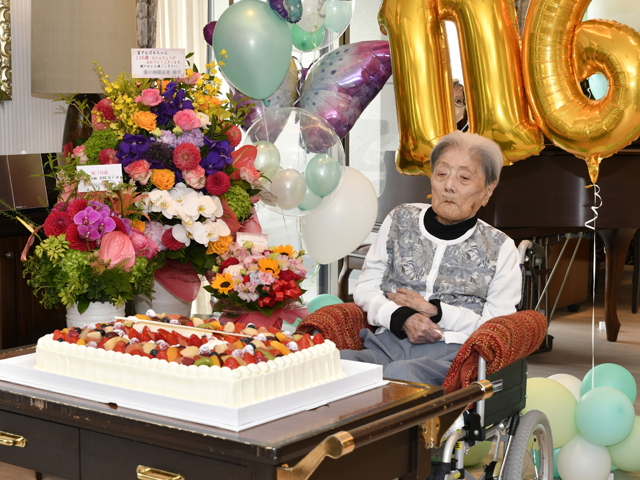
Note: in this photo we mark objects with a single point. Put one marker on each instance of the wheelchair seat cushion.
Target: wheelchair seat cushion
(500, 341)
(339, 323)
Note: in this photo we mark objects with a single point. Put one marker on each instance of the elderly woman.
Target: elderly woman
(435, 273)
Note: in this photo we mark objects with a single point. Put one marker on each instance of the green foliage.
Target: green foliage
(239, 201)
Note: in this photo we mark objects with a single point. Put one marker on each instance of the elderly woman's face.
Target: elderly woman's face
(458, 187)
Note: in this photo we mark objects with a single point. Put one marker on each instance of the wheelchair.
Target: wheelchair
(522, 444)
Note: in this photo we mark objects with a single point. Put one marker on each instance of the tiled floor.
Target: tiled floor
(571, 354)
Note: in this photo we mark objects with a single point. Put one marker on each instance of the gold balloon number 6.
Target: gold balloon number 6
(558, 52)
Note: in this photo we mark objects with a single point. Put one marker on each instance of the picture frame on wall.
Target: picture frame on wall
(5, 51)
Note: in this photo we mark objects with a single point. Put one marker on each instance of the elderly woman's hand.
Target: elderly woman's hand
(420, 329)
(409, 298)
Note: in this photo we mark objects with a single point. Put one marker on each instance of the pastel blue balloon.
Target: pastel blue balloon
(311, 201)
(322, 301)
(305, 41)
(257, 48)
(605, 416)
(614, 376)
(322, 174)
(338, 15)
(599, 85)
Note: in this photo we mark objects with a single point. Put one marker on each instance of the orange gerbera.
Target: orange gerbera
(284, 250)
(268, 265)
(223, 283)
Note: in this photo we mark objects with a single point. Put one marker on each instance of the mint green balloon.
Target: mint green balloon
(311, 201)
(555, 462)
(322, 174)
(322, 301)
(614, 376)
(605, 416)
(257, 48)
(339, 14)
(305, 41)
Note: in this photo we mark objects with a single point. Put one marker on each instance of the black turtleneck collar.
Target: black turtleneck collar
(447, 232)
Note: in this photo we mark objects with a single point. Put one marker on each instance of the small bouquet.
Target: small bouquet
(176, 141)
(94, 251)
(250, 277)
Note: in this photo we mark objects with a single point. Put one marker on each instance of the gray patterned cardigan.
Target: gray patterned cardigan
(476, 277)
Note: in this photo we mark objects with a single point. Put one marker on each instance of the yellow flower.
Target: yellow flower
(163, 178)
(145, 120)
(223, 283)
(138, 225)
(284, 250)
(220, 246)
(269, 266)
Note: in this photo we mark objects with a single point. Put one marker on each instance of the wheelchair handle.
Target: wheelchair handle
(345, 442)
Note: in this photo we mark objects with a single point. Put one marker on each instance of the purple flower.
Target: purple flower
(132, 148)
(218, 158)
(194, 136)
(88, 216)
(168, 137)
(174, 102)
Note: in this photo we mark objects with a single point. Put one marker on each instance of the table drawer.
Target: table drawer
(50, 448)
(105, 457)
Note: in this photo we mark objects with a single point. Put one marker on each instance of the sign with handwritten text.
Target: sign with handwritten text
(261, 239)
(158, 62)
(100, 175)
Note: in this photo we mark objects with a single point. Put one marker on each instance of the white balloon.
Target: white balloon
(572, 383)
(313, 14)
(267, 159)
(342, 221)
(580, 459)
(289, 187)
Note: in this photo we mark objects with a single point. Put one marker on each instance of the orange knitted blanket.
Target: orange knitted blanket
(500, 341)
(339, 323)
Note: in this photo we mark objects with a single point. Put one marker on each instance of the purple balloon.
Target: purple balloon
(208, 32)
(342, 83)
(290, 10)
(285, 96)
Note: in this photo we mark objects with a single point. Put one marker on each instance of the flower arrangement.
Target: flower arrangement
(254, 278)
(93, 251)
(176, 141)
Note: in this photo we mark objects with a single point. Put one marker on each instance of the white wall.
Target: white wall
(27, 124)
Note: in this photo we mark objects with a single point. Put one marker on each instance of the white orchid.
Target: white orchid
(181, 234)
(200, 233)
(209, 206)
(160, 201)
(178, 191)
(190, 203)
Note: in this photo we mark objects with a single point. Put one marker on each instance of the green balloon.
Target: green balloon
(614, 376)
(311, 201)
(338, 15)
(257, 48)
(322, 301)
(605, 416)
(322, 174)
(555, 462)
(557, 403)
(305, 41)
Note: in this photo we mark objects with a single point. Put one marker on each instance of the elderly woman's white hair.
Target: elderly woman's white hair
(486, 151)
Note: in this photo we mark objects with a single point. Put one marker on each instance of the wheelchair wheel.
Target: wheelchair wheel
(530, 456)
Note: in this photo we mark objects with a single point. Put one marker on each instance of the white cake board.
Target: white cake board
(360, 378)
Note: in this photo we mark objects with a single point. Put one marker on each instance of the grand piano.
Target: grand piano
(546, 195)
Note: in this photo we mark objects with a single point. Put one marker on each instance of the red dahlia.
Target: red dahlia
(169, 241)
(76, 242)
(75, 207)
(57, 223)
(227, 263)
(186, 156)
(235, 136)
(105, 108)
(119, 225)
(218, 183)
(107, 156)
(288, 275)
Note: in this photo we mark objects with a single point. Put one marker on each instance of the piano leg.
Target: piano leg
(616, 242)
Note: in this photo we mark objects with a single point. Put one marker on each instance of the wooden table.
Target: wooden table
(74, 438)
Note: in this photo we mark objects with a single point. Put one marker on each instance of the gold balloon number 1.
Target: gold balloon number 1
(558, 52)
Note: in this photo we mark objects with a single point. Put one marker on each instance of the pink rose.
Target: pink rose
(78, 153)
(250, 174)
(139, 171)
(191, 79)
(195, 178)
(142, 245)
(150, 97)
(186, 120)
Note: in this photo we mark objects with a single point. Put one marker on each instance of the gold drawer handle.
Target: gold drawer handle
(11, 440)
(148, 473)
